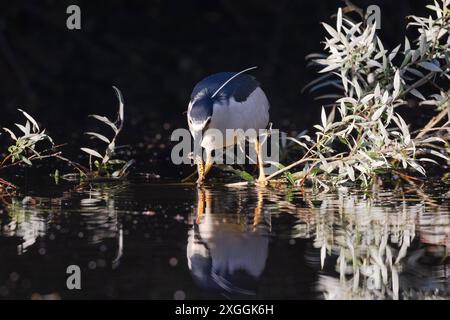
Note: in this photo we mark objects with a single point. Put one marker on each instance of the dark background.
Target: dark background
(155, 52)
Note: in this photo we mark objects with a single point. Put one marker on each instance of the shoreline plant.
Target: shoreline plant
(27, 147)
(364, 135)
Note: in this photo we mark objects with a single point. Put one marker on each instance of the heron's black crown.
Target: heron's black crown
(202, 109)
(238, 88)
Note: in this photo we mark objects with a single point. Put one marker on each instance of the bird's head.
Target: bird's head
(199, 118)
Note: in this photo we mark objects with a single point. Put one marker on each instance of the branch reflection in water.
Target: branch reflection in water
(152, 240)
(80, 227)
(385, 245)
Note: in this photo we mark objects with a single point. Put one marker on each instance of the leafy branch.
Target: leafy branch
(104, 162)
(363, 136)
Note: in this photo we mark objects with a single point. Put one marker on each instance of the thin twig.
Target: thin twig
(435, 120)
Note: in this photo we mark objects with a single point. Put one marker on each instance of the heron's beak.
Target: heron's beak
(198, 133)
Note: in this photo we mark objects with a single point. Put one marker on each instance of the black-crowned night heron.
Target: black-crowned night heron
(222, 101)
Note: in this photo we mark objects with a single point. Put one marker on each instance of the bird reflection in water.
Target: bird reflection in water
(227, 251)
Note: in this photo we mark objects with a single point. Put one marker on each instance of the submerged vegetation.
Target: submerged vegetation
(364, 135)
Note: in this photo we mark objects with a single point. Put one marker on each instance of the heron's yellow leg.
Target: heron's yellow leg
(204, 168)
(262, 178)
(208, 164)
(200, 205)
(200, 171)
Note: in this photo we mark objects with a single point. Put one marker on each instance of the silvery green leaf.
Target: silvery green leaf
(343, 76)
(119, 96)
(339, 20)
(415, 72)
(418, 167)
(448, 107)
(331, 116)
(377, 91)
(306, 137)
(417, 94)
(111, 146)
(415, 55)
(22, 128)
(397, 83)
(374, 63)
(13, 136)
(324, 118)
(109, 152)
(407, 44)
(357, 88)
(28, 127)
(35, 125)
(35, 137)
(99, 136)
(319, 127)
(353, 117)
(394, 53)
(49, 139)
(438, 154)
(330, 68)
(407, 59)
(428, 160)
(430, 66)
(376, 115)
(342, 109)
(385, 97)
(423, 44)
(350, 100)
(350, 172)
(367, 98)
(27, 161)
(105, 120)
(404, 127)
(331, 30)
(92, 152)
(297, 142)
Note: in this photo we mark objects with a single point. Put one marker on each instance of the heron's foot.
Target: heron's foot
(262, 182)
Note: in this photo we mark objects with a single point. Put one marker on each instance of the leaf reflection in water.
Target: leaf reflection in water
(374, 244)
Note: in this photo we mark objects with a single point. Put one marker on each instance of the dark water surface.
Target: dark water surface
(157, 240)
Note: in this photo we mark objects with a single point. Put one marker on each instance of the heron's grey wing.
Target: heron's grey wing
(253, 113)
(239, 88)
